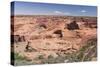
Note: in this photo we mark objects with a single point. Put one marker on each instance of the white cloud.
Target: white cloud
(83, 11)
(63, 13)
(58, 12)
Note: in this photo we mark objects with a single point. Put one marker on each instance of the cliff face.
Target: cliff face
(50, 35)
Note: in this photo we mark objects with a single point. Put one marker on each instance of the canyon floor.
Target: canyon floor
(48, 39)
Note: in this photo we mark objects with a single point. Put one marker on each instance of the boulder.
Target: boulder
(72, 26)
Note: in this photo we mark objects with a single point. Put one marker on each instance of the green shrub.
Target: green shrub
(50, 57)
(41, 57)
(19, 57)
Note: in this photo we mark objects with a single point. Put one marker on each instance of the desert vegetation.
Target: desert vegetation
(53, 39)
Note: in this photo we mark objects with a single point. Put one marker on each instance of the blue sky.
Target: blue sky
(33, 8)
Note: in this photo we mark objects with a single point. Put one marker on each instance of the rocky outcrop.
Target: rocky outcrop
(17, 38)
(58, 33)
(72, 26)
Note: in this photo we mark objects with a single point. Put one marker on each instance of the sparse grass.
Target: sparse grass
(19, 57)
(48, 60)
(40, 57)
(50, 56)
(51, 60)
(16, 56)
(86, 53)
